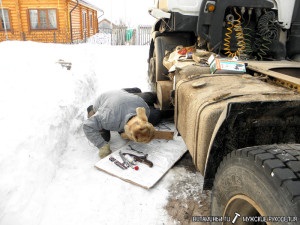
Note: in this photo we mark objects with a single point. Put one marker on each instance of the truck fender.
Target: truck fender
(245, 124)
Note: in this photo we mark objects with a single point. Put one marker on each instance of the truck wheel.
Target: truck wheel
(160, 46)
(152, 74)
(261, 182)
(167, 42)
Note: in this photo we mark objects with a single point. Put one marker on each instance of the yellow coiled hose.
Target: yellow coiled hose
(236, 25)
(239, 34)
(227, 40)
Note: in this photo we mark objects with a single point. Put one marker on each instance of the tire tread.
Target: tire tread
(281, 162)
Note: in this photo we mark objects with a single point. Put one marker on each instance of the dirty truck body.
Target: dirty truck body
(242, 130)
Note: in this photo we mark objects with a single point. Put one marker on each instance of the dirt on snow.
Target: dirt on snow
(187, 199)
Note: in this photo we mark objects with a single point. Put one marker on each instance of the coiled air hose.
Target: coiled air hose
(236, 26)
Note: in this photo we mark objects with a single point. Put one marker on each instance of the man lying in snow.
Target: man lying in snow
(124, 112)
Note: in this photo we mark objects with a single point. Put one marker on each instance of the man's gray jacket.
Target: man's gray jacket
(112, 109)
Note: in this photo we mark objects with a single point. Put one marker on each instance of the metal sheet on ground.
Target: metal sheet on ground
(162, 153)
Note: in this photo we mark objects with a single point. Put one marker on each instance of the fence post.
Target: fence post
(54, 37)
(111, 36)
(138, 35)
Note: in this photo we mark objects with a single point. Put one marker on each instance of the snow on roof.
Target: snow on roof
(90, 5)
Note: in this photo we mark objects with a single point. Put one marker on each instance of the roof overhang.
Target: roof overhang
(87, 4)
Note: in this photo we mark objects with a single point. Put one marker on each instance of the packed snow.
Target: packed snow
(47, 173)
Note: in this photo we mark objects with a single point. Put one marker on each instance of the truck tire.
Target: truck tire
(168, 41)
(152, 74)
(161, 44)
(259, 183)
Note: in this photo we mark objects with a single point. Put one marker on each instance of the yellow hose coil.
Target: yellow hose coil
(236, 25)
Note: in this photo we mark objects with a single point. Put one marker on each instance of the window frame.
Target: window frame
(84, 20)
(39, 22)
(2, 28)
(91, 20)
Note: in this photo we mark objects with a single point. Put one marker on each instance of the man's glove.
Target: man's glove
(104, 151)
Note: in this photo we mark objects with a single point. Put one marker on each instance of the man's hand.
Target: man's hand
(104, 151)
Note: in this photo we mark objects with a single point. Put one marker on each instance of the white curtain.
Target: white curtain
(33, 13)
(52, 18)
(4, 19)
(43, 19)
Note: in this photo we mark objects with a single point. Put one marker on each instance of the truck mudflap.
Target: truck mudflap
(245, 124)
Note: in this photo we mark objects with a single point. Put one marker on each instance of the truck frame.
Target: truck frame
(242, 130)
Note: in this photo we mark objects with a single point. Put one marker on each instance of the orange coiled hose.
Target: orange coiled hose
(236, 26)
(227, 40)
(239, 34)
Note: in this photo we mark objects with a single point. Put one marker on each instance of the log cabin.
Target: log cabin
(57, 21)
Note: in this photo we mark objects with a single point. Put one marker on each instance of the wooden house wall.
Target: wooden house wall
(57, 35)
(20, 23)
(13, 12)
(79, 32)
(76, 21)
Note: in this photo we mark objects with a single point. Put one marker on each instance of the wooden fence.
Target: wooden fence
(116, 36)
(124, 36)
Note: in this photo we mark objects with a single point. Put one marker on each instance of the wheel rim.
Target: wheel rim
(243, 206)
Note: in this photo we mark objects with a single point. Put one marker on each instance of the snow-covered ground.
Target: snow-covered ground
(47, 173)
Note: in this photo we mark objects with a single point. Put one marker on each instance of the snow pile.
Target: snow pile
(39, 102)
(47, 173)
(100, 38)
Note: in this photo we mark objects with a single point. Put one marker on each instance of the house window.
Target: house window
(42, 19)
(84, 20)
(91, 20)
(4, 20)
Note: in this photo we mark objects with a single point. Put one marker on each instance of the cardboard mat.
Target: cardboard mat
(162, 153)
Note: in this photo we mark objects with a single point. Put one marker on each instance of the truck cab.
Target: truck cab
(242, 129)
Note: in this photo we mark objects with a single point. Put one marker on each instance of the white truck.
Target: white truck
(242, 129)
